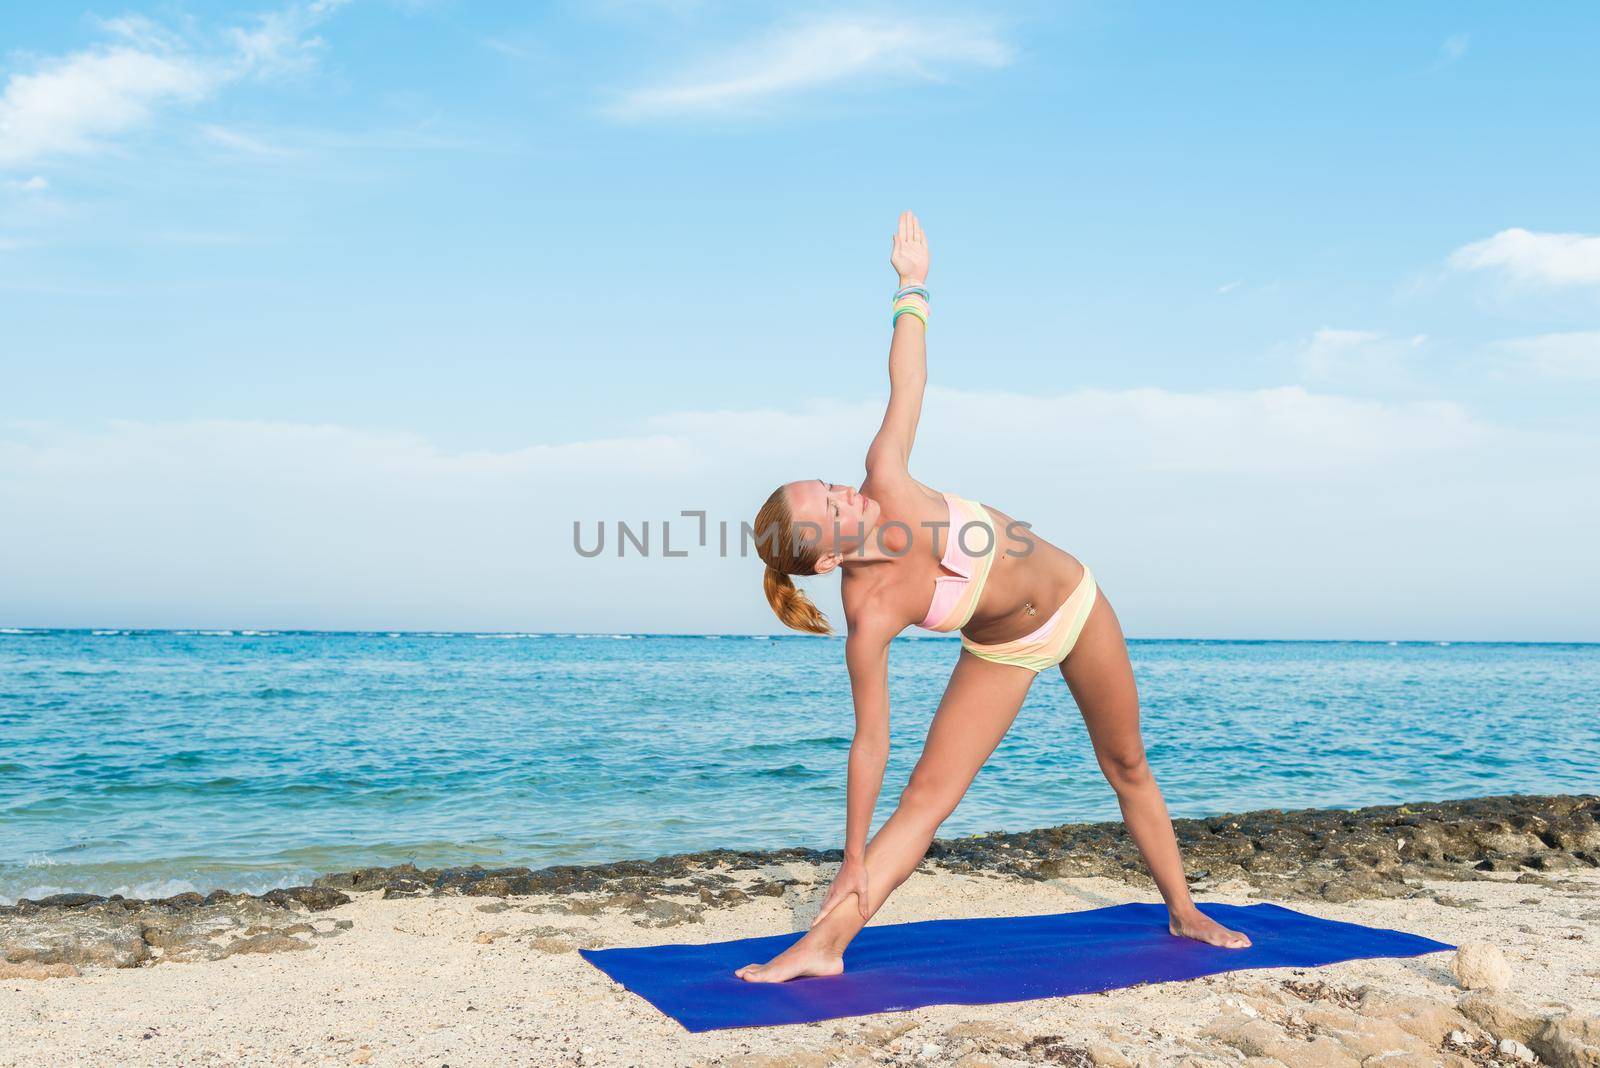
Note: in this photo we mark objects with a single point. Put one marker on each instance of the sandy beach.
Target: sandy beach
(465, 967)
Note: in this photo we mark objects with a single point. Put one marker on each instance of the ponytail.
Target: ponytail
(785, 555)
(792, 606)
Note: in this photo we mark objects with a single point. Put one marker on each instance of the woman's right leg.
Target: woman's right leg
(978, 707)
(1100, 676)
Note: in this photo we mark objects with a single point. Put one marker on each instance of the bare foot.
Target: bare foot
(1202, 928)
(806, 957)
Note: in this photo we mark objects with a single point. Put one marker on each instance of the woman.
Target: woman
(1022, 606)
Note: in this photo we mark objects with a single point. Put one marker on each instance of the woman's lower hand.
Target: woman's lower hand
(851, 878)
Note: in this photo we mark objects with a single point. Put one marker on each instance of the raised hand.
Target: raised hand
(909, 256)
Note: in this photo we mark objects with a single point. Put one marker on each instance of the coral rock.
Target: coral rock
(1481, 966)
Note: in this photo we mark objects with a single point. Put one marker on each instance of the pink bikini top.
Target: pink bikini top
(955, 595)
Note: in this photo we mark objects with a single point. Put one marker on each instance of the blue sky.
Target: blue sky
(1319, 288)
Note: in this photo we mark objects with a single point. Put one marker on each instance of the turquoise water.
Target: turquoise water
(150, 763)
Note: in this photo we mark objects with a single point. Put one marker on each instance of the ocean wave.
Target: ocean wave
(831, 741)
(788, 771)
(156, 887)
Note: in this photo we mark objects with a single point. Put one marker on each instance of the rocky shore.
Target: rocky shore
(1515, 881)
(1310, 853)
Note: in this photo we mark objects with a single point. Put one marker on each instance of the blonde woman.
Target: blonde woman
(910, 555)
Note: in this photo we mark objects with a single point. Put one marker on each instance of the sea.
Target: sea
(149, 763)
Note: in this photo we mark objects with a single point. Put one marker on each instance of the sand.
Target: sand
(461, 981)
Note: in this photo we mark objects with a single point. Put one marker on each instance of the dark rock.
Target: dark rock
(270, 942)
(68, 901)
(668, 914)
(315, 898)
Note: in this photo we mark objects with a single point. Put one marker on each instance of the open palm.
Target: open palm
(909, 256)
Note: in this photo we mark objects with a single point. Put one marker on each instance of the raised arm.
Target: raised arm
(890, 452)
(866, 654)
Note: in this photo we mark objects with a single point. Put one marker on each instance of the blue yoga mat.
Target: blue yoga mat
(979, 962)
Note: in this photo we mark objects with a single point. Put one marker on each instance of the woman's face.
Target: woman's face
(843, 516)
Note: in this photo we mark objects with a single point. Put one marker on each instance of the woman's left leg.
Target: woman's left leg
(979, 704)
(1101, 679)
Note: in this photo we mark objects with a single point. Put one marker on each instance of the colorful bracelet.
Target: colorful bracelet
(910, 304)
(912, 311)
(910, 300)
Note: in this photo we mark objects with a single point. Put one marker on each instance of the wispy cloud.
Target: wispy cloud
(233, 140)
(1530, 257)
(1453, 48)
(506, 48)
(1362, 359)
(1571, 355)
(282, 41)
(83, 101)
(826, 51)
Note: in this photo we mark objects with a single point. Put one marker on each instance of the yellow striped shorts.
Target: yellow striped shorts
(1050, 644)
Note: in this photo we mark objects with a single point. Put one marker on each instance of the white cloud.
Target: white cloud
(280, 41)
(1246, 512)
(825, 51)
(1534, 258)
(233, 140)
(1572, 355)
(1453, 48)
(506, 48)
(1361, 359)
(71, 104)
(82, 101)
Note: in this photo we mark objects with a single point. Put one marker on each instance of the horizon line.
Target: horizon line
(394, 632)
